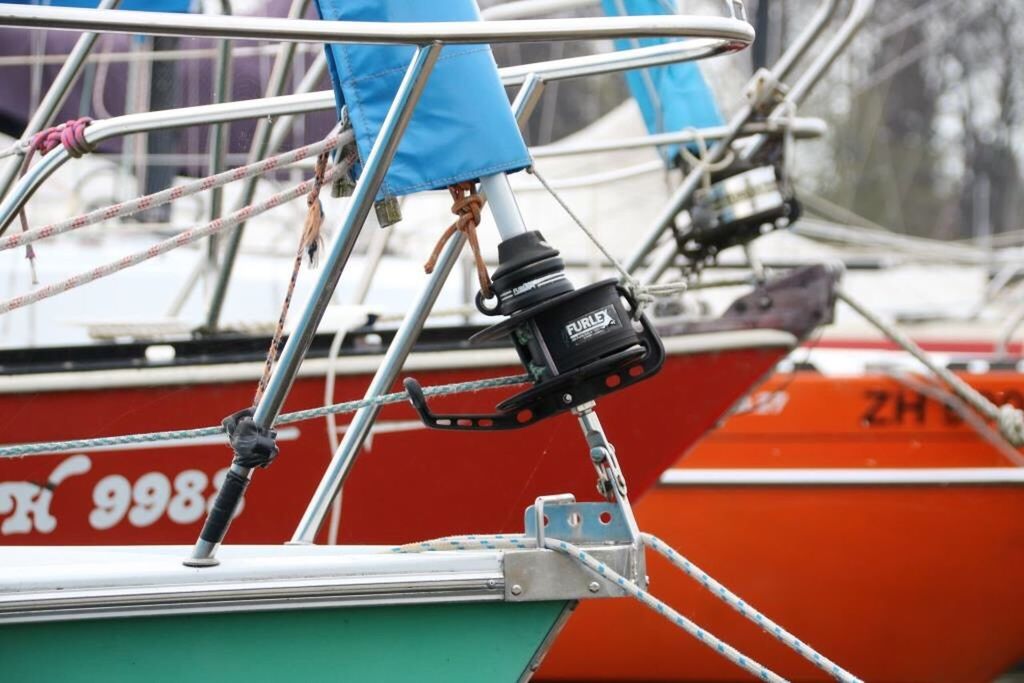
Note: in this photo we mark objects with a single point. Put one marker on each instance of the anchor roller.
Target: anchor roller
(576, 344)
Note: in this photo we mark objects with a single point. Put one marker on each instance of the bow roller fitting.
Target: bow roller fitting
(254, 446)
(576, 344)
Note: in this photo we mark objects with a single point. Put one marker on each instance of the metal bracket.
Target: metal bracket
(538, 575)
(563, 518)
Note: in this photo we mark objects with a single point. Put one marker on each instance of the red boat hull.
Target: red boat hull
(409, 484)
(897, 582)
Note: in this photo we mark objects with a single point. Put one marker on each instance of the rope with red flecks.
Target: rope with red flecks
(171, 194)
(180, 240)
(466, 204)
(309, 246)
(70, 134)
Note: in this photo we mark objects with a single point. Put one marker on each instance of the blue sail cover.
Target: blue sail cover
(672, 97)
(462, 128)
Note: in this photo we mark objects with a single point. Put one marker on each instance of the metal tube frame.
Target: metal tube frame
(589, 65)
(801, 88)
(394, 359)
(302, 103)
(525, 9)
(727, 29)
(219, 133)
(138, 123)
(55, 96)
(377, 162)
(691, 182)
(800, 128)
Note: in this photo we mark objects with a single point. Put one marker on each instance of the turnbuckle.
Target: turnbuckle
(610, 481)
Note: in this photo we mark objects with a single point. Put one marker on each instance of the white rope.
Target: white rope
(644, 295)
(180, 240)
(632, 588)
(172, 194)
(522, 542)
(1008, 418)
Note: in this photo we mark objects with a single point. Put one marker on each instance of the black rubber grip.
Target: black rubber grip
(228, 499)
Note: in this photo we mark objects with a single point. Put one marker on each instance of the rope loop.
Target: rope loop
(466, 204)
(1011, 423)
(701, 161)
(70, 134)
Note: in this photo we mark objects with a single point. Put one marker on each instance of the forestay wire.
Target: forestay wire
(644, 295)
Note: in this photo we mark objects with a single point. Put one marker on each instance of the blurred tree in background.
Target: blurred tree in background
(929, 142)
(926, 111)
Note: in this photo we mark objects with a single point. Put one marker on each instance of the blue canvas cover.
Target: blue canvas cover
(463, 127)
(684, 97)
(134, 5)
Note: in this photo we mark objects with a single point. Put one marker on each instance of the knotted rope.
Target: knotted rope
(309, 246)
(71, 134)
(466, 204)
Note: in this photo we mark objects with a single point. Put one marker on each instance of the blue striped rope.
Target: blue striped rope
(734, 601)
(521, 542)
(715, 643)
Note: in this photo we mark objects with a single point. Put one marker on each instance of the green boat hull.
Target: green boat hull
(450, 642)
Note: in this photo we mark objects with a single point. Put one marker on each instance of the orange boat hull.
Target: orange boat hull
(895, 582)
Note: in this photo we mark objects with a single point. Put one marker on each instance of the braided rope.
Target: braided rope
(180, 240)
(632, 588)
(309, 244)
(174, 193)
(734, 601)
(51, 447)
(70, 134)
(469, 542)
(701, 161)
(522, 542)
(1007, 417)
(644, 295)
